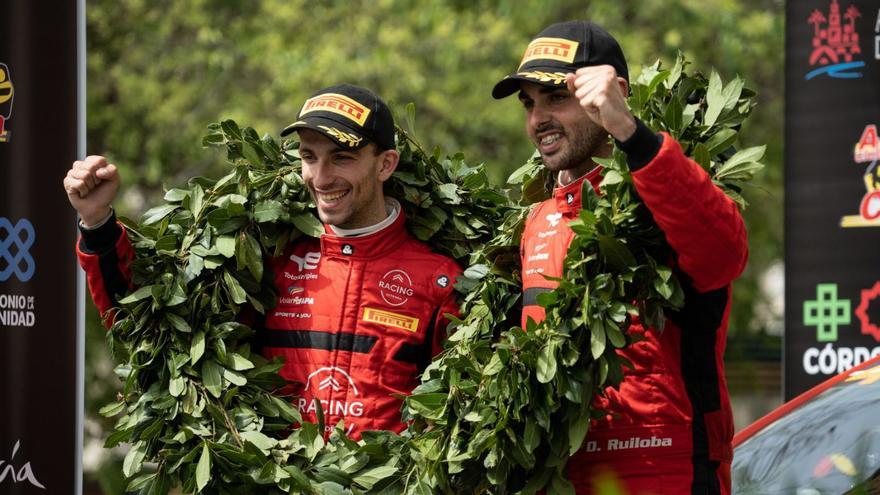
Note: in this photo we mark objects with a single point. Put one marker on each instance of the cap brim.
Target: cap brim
(321, 126)
(506, 87)
(539, 75)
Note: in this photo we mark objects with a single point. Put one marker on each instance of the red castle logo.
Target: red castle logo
(835, 44)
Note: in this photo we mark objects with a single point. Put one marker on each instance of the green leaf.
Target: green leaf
(253, 257)
(155, 215)
(178, 323)
(748, 155)
(268, 210)
(226, 245)
(134, 460)
(720, 141)
(369, 477)
(203, 469)
(673, 116)
(715, 101)
(142, 293)
(597, 342)
(260, 440)
(196, 200)
(238, 362)
(252, 154)
(546, 365)
(239, 296)
(175, 195)
(732, 93)
(494, 366)
(449, 192)
(197, 347)
(308, 224)
(212, 374)
(577, 431)
(616, 253)
(430, 405)
(176, 386)
(112, 409)
(611, 177)
(702, 157)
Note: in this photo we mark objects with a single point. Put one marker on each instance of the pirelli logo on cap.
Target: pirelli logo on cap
(390, 319)
(559, 49)
(338, 104)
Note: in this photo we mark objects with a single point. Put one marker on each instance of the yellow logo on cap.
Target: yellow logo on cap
(338, 104)
(559, 49)
(390, 319)
(343, 137)
(551, 77)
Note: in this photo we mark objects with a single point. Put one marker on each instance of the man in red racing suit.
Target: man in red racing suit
(668, 429)
(361, 310)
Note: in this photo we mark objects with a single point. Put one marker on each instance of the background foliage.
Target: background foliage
(159, 72)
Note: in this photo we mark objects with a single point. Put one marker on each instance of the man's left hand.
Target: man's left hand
(603, 97)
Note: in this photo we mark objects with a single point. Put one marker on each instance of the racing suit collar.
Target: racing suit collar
(568, 197)
(373, 245)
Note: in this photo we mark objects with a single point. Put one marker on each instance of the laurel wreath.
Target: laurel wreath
(499, 411)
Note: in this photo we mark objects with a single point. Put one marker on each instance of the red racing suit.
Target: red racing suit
(357, 319)
(669, 427)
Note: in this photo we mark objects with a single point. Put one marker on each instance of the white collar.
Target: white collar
(392, 208)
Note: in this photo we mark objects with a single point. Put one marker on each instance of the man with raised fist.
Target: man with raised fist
(361, 311)
(668, 429)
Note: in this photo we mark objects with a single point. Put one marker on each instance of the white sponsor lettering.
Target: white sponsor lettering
(335, 407)
(17, 310)
(547, 233)
(296, 300)
(9, 318)
(538, 257)
(639, 443)
(285, 314)
(23, 474)
(331, 379)
(308, 262)
(532, 271)
(541, 246)
(302, 276)
(396, 287)
(831, 361)
(553, 218)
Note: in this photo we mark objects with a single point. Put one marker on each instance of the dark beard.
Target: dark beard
(585, 142)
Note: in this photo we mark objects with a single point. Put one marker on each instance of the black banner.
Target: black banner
(832, 188)
(40, 408)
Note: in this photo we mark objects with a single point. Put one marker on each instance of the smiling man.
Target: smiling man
(361, 311)
(668, 429)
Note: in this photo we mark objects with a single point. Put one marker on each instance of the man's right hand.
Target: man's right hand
(91, 186)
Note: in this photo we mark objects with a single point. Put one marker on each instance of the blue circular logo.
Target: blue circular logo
(15, 241)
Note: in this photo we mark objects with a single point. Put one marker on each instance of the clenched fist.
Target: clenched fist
(91, 186)
(603, 96)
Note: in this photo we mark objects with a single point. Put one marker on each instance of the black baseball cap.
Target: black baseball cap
(349, 115)
(560, 49)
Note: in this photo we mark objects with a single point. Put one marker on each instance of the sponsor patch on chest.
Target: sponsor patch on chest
(393, 320)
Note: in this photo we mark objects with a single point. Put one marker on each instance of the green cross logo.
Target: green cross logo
(827, 312)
